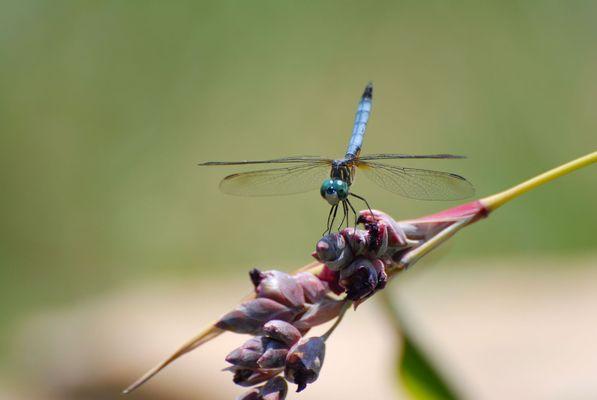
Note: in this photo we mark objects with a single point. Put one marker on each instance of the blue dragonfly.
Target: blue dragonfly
(335, 177)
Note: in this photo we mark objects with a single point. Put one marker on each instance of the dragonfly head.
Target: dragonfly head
(334, 191)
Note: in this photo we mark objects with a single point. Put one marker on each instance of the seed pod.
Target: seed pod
(275, 389)
(279, 286)
(250, 316)
(248, 377)
(304, 361)
(325, 310)
(359, 279)
(313, 289)
(282, 331)
(333, 251)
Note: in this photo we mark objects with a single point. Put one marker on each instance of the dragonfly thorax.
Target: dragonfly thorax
(342, 170)
(334, 191)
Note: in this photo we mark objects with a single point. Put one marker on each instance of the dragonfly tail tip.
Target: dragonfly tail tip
(368, 93)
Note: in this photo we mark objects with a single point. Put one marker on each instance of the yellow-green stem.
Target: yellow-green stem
(499, 199)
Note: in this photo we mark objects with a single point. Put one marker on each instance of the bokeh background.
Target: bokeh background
(106, 108)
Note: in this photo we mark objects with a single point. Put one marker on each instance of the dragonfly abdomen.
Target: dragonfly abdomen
(360, 123)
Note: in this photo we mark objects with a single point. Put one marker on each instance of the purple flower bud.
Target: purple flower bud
(253, 394)
(382, 276)
(357, 239)
(247, 355)
(256, 276)
(359, 279)
(378, 238)
(330, 278)
(313, 289)
(304, 361)
(282, 331)
(275, 389)
(273, 357)
(319, 313)
(250, 316)
(333, 251)
(249, 377)
(396, 236)
(259, 352)
(278, 286)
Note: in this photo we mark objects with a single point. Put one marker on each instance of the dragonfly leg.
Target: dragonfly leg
(344, 215)
(327, 226)
(356, 216)
(331, 219)
(363, 199)
(347, 215)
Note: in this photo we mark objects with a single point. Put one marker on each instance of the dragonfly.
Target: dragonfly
(297, 174)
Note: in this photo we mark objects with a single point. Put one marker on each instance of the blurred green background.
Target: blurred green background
(106, 107)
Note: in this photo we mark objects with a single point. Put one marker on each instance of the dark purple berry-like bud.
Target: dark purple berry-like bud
(253, 394)
(282, 331)
(275, 389)
(319, 313)
(359, 279)
(281, 287)
(312, 286)
(249, 377)
(333, 251)
(304, 361)
(250, 316)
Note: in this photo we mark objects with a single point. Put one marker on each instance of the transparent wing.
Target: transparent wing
(414, 183)
(276, 181)
(370, 157)
(285, 160)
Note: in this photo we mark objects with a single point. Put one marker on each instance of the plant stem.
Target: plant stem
(415, 255)
(345, 307)
(204, 336)
(499, 199)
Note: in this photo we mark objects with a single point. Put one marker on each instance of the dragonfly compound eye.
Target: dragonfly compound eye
(341, 189)
(329, 191)
(334, 191)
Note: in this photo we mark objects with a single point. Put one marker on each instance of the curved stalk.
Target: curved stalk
(497, 200)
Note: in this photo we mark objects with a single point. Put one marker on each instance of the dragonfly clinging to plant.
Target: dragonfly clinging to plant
(303, 173)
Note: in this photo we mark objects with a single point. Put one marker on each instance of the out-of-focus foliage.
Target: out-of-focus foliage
(418, 376)
(105, 108)
(415, 373)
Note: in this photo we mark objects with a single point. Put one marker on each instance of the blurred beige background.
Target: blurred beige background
(109, 229)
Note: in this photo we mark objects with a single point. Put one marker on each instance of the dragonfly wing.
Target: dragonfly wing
(276, 181)
(372, 157)
(284, 160)
(414, 183)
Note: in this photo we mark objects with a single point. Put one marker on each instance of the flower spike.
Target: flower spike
(352, 265)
